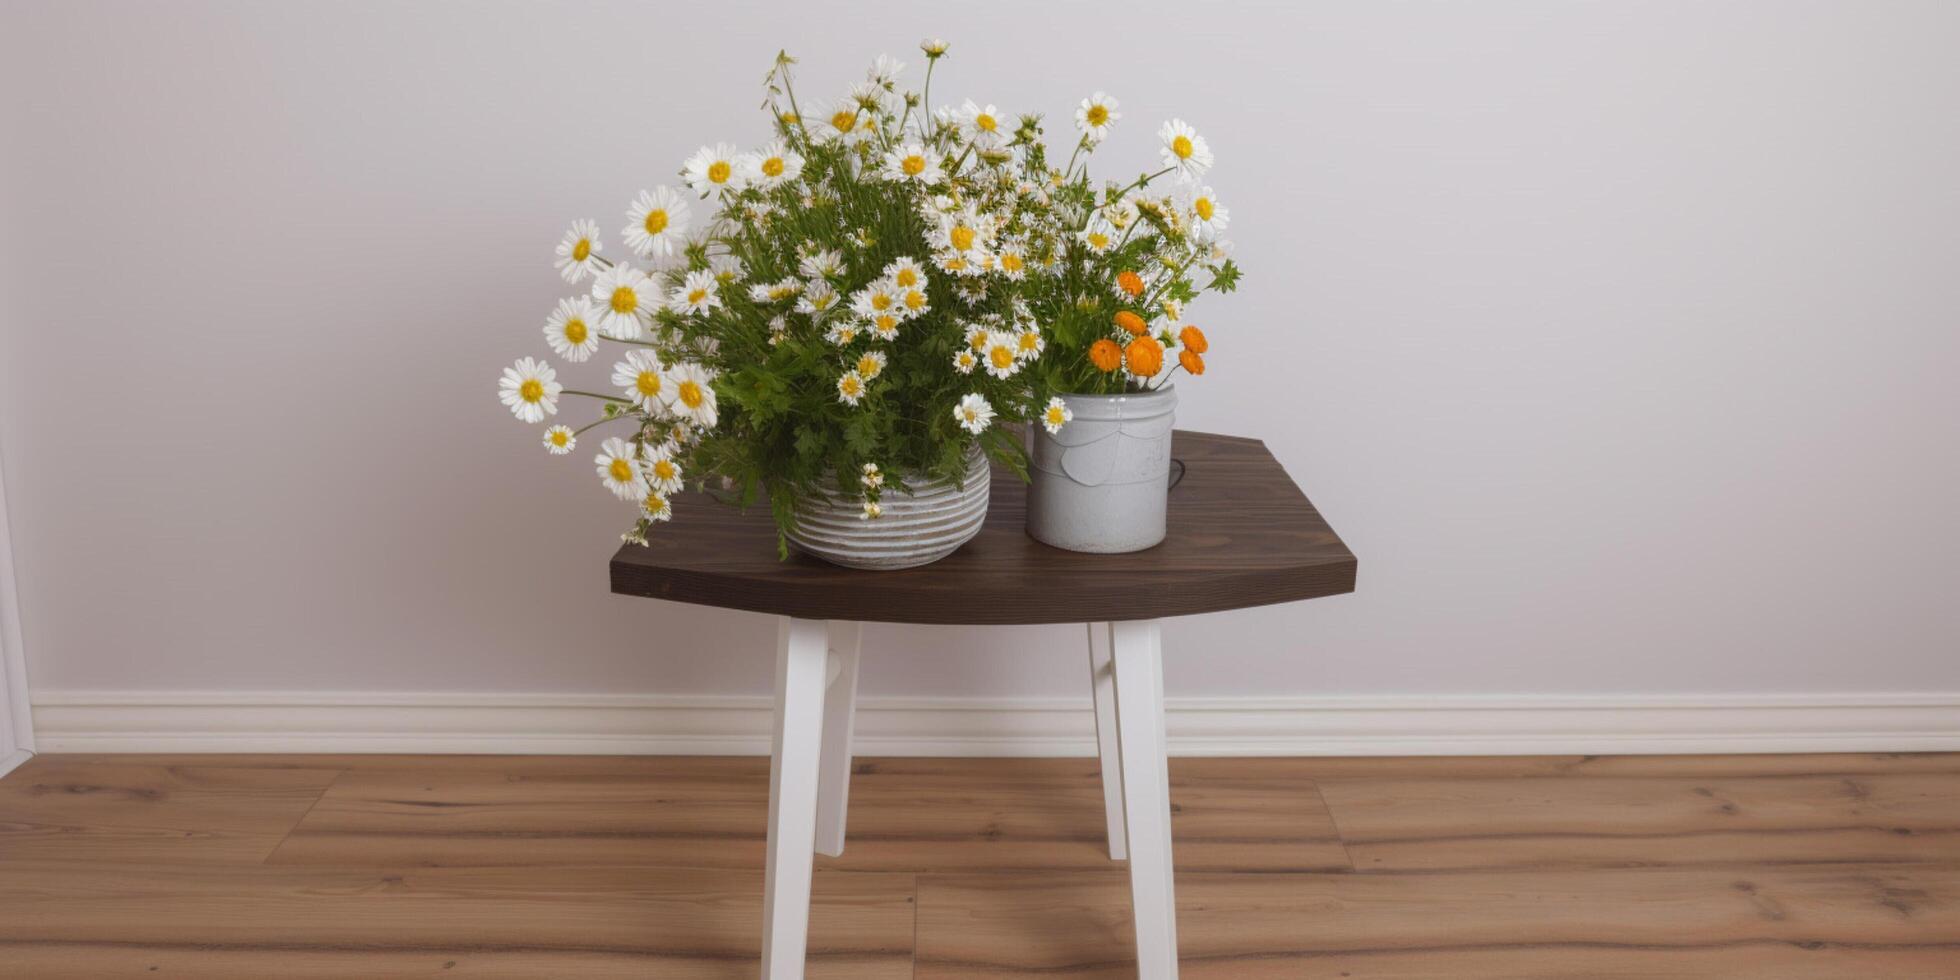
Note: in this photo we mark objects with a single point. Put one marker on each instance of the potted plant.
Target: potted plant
(816, 322)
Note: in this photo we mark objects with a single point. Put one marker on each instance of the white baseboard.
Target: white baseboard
(106, 721)
(12, 760)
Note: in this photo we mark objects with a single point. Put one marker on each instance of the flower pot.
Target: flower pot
(916, 528)
(1101, 483)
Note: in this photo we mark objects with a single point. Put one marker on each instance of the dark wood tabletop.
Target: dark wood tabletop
(1241, 534)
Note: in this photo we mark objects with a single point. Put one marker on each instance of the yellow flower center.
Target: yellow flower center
(886, 322)
(979, 341)
(532, 390)
(560, 437)
(1097, 115)
(664, 469)
(846, 335)
(1182, 147)
(656, 221)
(907, 276)
(1002, 357)
(1054, 415)
(696, 295)
(961, 236)
(843, 120)
(913, 165)
(915, 300)
(1204, 208)
(772, 167)
(620, 470)
(1030, 340)
(1098, 240)
(850, 386)
(655, 503)
(575, 331)
(868, 366)
(1011, 262)
(582, 250)
(881, 301)
(822, 300)
(718, 172)
(985, 122)
(691, 394)
(624, 300)
(648, 383)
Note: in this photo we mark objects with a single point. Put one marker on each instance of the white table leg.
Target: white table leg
(1138, 656)
(834, 771)
(1102, 680)
(801, 655)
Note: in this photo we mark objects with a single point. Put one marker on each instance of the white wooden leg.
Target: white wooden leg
(801, 655)
(834, 772)
(1102, 680)
(1138, 655)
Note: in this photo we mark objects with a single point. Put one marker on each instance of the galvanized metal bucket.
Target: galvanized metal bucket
(1101, 484)
(916, 528)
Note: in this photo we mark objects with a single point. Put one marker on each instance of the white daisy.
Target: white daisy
(771, 166)
(560, 439)
(530, 388)
(915, 163)
(1029, 343)
(1094, 116)
(643, 378)
(964, 232)
(578, 251)
(884, 326)
(885, 70)
(842, 333)
(619, 469)
(974, 413)
(873, 477)
(878, 297)
(661, 470)
(871, 364)
(982, 125)
(1100, 235)
(913, 302)
(1012, 261)
(1208, 217)
(727, 269)
(1184, 150)
(1001, 354)
(776, 292)
(656, 223)
(818, 298)
(905, 272)
(657, 507)
(976, 337)
(841, 124)
(850, 387)
(698, 294)
(933, 46)
(871, 510)
(1056, 415)
(778, 329)
(691, 394)
(712, 168)
(822, 265)
(570, 331)
(965, 360)
(624, 294)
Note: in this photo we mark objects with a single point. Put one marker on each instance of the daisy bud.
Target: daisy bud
(933, 46)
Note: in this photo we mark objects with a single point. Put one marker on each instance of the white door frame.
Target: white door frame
(16, 724)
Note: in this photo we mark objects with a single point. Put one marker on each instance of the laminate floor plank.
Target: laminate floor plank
(1397, 824)
(60, 920)
(1836, 922)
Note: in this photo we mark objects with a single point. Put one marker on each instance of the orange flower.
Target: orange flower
(1145, 356)
(1130, 282)
(1130, 322)
(1191, 361)
(1193, 340)
(1105, 355)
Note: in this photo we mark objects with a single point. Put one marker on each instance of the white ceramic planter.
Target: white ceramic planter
(1101, 484)
(916, 528)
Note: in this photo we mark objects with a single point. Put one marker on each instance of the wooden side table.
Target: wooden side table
(1241, 534)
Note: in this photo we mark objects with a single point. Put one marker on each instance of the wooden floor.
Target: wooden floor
(1786, 867)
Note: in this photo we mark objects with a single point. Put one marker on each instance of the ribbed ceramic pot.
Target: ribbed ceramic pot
(1102, 483)
(916, 528)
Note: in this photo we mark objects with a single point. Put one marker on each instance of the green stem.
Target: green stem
(581, 429)
(607, 398)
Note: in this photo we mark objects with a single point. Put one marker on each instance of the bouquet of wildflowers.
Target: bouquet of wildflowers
(869, 295)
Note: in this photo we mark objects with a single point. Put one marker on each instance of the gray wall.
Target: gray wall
(1617, 339)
